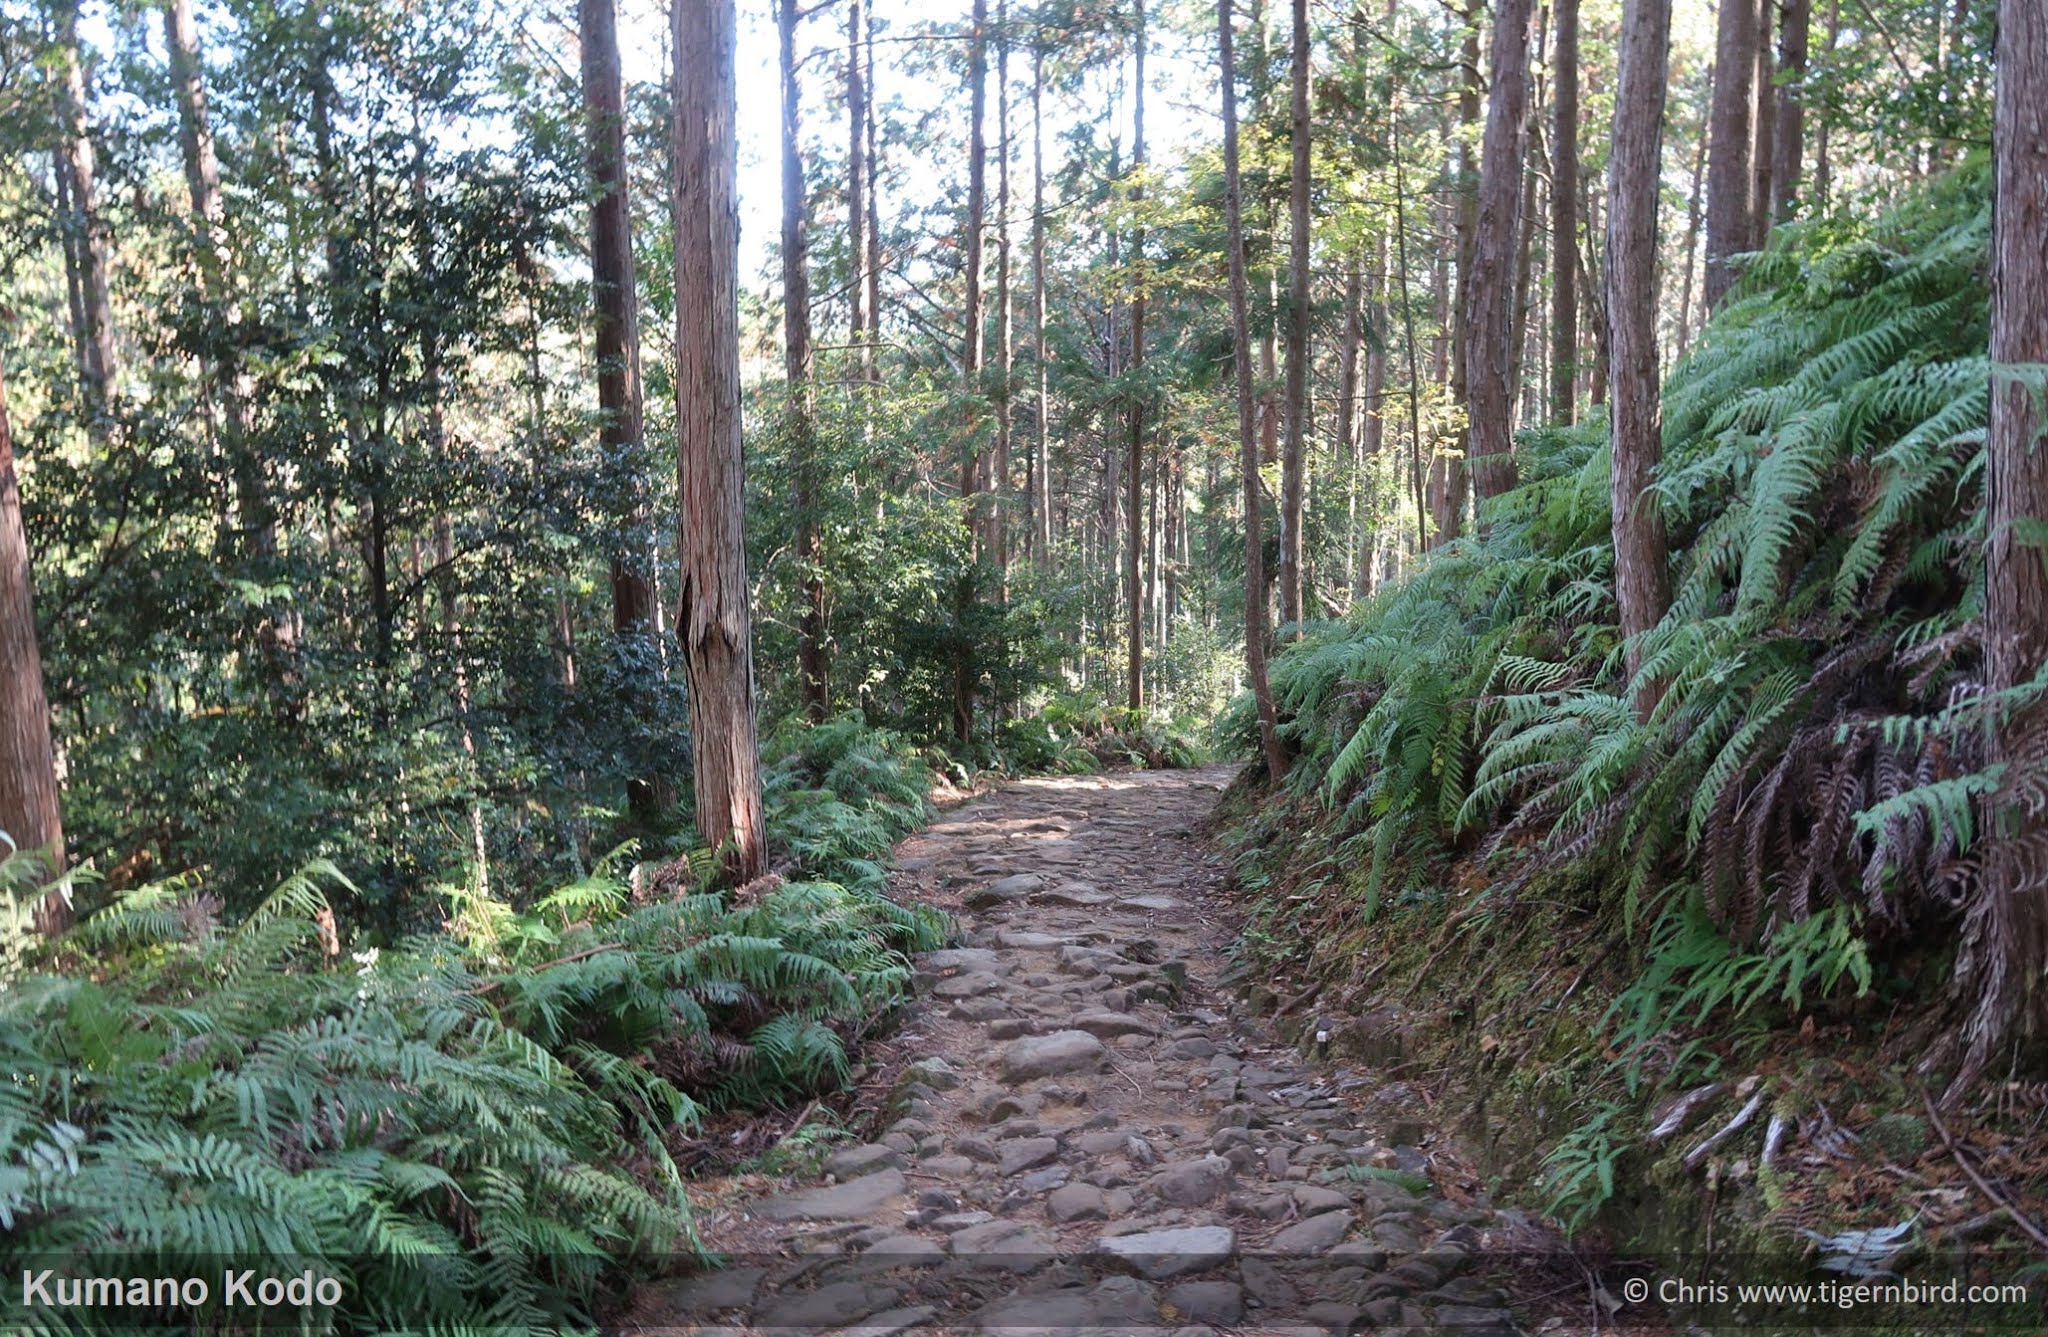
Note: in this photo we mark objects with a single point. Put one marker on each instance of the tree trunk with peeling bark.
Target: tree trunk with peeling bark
(1728, 132)
(813, 686)
(1564, 218)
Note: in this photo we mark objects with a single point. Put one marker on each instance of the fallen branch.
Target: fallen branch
(1948, 1140)
(1682, 1109)
(1728, 1130)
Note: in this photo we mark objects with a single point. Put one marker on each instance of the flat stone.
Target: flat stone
(1192, 1183)
(828, 1306)
(1152, 903)
(905, 1251)
(730, 1288)
(1312, 1236)
(1003, 890)
(1158, 1254)
(1220, 1302)
(955, 960)
(950, 1167)
(977, 1148)
(842, 1202)
(1314, 1200)
(1267, 1284)
(966, 986)
(1110, 1025)
(1118, 1304)
(1052, 1055)
(1101, 1143)
(935, 1073)
(1038, 1181)
(1013, 1246)
(1027, 1153)
(890, 1322)
(1024, 940)
(1076, 1202)
(1073, 893)
(853, 1162)
(961, 1220)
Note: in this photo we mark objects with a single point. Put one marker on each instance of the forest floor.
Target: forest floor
(1079, 1127)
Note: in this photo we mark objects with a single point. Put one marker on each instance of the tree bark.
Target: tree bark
(1564, 218)
(971, 466)
(1763, 118)
(1789, 124)
(31, 815)
(1640, 552)
(616, 313)
(2005, 940)
(1247, 436)
(1729, 131)
(1692, 241)
(873, 161)
(813, 686)
(1041, 457)
(1134, 465)
(1489, 300)
(856, 198)
(714, 621)
(1293, 461)
(98, 369)
(999, 538)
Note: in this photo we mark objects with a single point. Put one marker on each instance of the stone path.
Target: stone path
(1095, 1137)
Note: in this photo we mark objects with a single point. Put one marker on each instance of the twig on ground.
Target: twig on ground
(1948, 1140)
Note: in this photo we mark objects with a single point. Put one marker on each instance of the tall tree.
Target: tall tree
(1489, 299)
(87, 229)
(1640, 552)
(1134, 467)
(30, 813)
(1763, 115)
(1728, 130)
(616, 307)
(714, 618)
(1041, 456)
(1247, 427)
(856, 190)
(1293, 461)
(999, 538)
(2005, 940)
(1564, 217)
(971, 465)
(813, 687)
(1789, 125)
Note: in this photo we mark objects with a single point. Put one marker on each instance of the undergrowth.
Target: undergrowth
(470, 1128)
(1803, 806)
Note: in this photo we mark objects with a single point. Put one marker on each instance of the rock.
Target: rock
(1007, 1028)
(1011, 1246)
(955, 960)
(1076, 1202)
(732, 1288)
(1312, 1236)
(1110, 1025)
(937, 1198)
(828, 1306)
(1276, 1162)
(1038, 1181)
(1140, 1151)
(1023, 940)
(1334, 1316)
(1158, 1254)
(843, 1202)
(1192, 1183)
(1266, 1284)
(904, 1251)
(890, 1322)
(948, 1167)
(1010, 1106)
(1220, 1302)
(1026, 1153)
(1102, 1143)
(1151, 903)
(960, 1220)
(977, 1149)
(1052, 1055)
(853, 1162)
(1226, 1138)
(1469, 1319)
(1081, 894)
(900, 1143)
(966, 986)
(1003, 891)
(1313, 1200)
(935, 1073)
(1118, 1304)
(978, 1009)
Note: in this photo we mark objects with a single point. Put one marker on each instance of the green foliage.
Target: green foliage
(1581, 1168)
(1804, 793)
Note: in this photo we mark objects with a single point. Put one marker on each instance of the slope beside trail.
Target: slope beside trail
(1091, 1133)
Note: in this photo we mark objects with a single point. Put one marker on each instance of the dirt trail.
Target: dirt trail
(1094, 1135)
